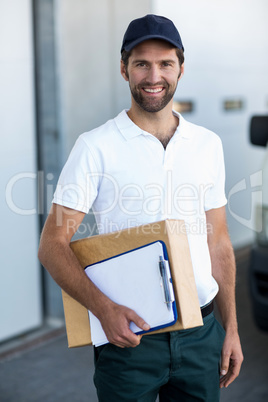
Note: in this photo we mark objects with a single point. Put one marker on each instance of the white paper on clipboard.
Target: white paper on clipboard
(133, 279)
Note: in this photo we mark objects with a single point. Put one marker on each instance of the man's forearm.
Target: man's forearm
(60, 261)
(224, 272)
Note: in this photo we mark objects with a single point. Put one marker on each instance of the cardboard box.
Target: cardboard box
(97, 248)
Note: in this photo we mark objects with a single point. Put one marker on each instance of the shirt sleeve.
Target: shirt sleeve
(78, 183)
(215, 194)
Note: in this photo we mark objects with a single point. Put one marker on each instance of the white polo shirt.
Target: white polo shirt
(128, 179)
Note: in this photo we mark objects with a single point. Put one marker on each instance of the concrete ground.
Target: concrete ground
(45, 370)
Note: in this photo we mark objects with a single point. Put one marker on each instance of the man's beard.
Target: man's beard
(149, 104)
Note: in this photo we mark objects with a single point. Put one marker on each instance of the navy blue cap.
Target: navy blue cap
(151, 27)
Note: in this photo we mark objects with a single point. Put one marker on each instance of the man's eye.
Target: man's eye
(141, 65)
(165, 64)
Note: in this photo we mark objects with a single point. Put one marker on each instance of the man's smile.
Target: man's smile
(153, 90)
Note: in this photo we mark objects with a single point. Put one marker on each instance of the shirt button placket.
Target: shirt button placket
(167, 159)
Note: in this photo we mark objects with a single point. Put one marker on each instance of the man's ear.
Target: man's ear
(181, 72)
(123, 70)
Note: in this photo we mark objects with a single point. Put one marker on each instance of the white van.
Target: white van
(258, 272)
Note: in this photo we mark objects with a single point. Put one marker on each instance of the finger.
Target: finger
(128, 344)
(126, 339)
(137, 341)
(232, 374)
(119, 345)
(226, 380)
(223, 381)
(139, 321)
(225, 361)
(132, 340)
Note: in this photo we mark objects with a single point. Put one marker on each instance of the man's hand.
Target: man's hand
(231, 359)
(115, 321)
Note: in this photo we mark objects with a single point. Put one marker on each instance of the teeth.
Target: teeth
(153, 90)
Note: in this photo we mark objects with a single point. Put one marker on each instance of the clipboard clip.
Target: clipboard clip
(165, 281)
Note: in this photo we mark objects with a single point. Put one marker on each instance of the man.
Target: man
(146, 165)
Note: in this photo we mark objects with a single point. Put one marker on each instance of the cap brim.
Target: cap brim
(131, 45)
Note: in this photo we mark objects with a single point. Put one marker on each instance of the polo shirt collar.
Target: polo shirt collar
(183, 129)
(126, 126)
(130, 130)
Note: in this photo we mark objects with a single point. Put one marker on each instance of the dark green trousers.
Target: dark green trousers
(179, 366)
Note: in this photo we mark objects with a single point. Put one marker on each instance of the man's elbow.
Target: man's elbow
(51, 247)
(46, 247)
(42, 252)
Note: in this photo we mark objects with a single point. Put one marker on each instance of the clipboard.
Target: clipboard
(95, 248)
(139, 279)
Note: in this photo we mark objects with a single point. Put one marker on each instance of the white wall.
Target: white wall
(226, 57)
(20, 288)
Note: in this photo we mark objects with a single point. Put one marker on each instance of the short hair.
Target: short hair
(126, 54)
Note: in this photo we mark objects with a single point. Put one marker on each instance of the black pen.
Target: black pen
(163, 274)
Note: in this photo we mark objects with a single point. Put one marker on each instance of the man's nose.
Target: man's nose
(154, 74)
